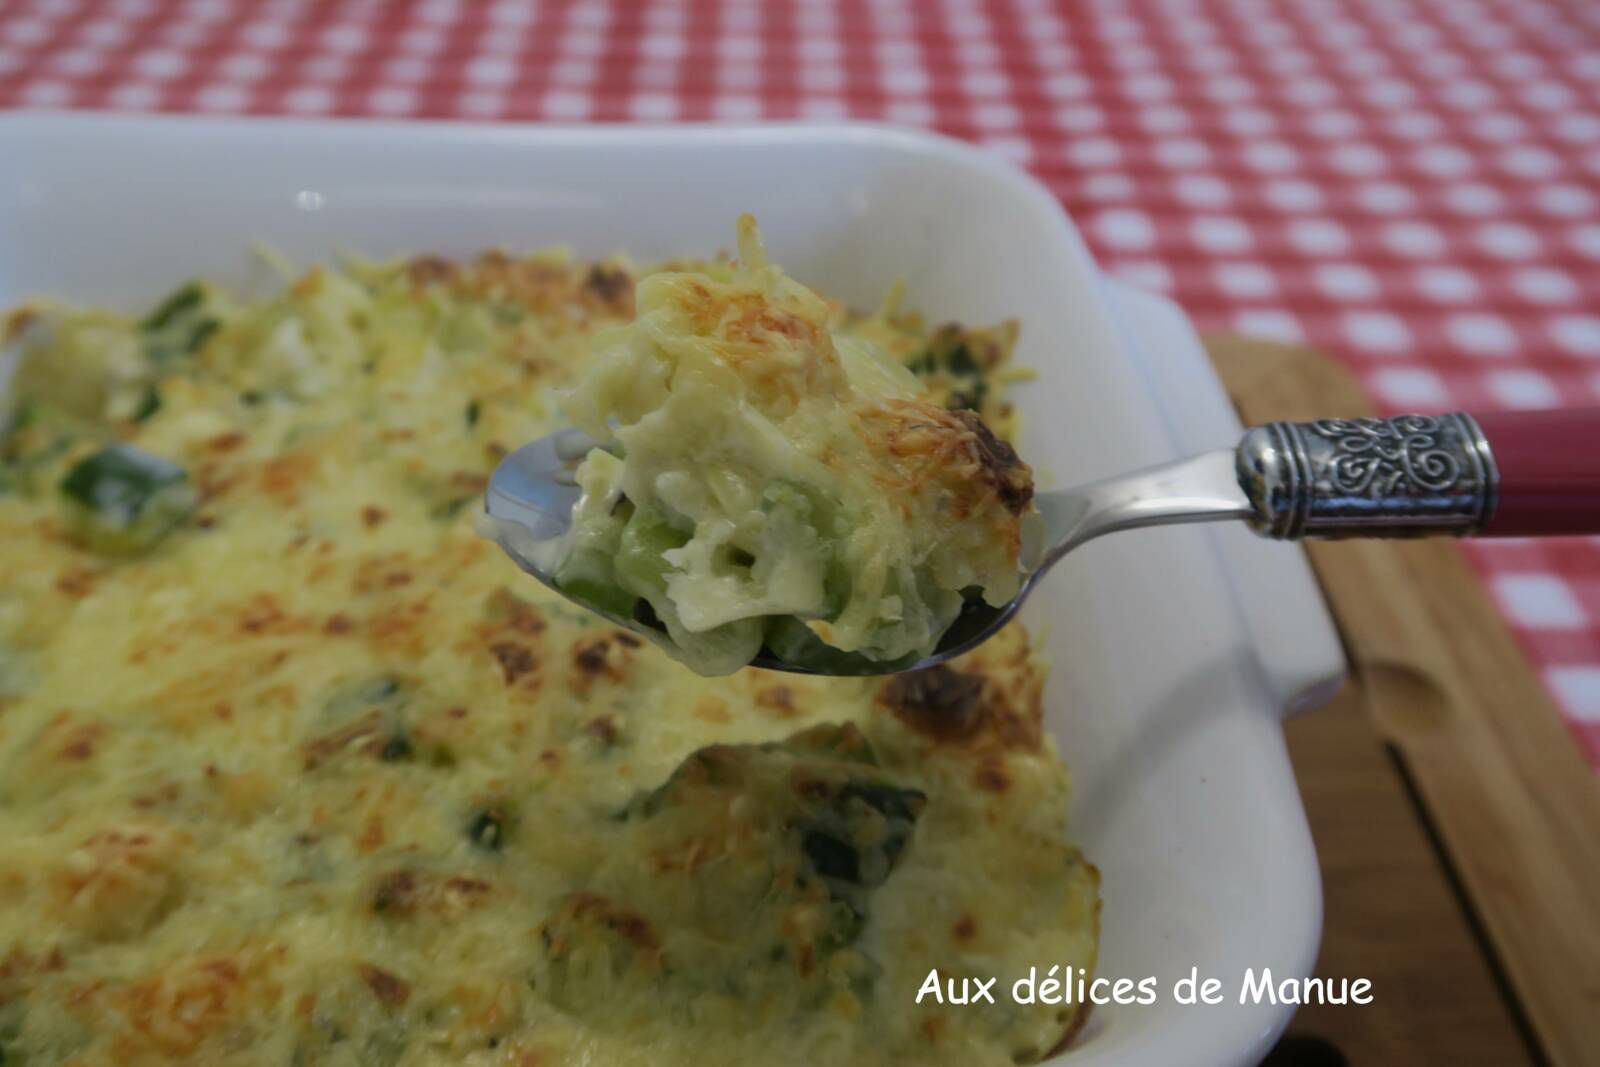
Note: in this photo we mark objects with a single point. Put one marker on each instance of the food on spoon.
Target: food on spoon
(768, 480)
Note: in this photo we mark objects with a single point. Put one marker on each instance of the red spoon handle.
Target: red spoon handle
(1549, 468)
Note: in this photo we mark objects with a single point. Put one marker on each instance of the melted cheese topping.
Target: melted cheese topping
(308, 773)
(779, 484)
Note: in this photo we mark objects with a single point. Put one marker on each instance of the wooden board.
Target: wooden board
(1457, 822)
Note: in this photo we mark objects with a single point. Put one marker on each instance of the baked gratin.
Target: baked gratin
(769, 482)
(296, 769)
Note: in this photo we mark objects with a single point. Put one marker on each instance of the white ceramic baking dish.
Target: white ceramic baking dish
(1175, 651)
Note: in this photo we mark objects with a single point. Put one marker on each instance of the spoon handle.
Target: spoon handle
(1549, 467)
(1508, 474)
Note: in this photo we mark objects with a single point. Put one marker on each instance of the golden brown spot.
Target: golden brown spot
(991, 777)
(395, 893)
(372, 516)
(338, 623)
(225, 969)
(965, 929)
(309, 284)
(700, 306)
(76, 582)
(712, 709)
(402, 627)
(611, 287)
(211, 483)
(603, 729)
(281, 476)
(999, 463)
(631, 926)
(1011, 728)
(391, 991)
(176, 1012)
(366, 732)
(505, 608)
(382, 571)
(777, 698)
(165, 794)
(808, 787)
(225, 442)
(20, 963)
(430, 270)
(599, 656)
(589, 654)
(467, 887)
(922, 445)
(80, 742)
(19, 320)
(627, 640)
(515, 660)
(372, 835)
(940, 702)
(262, 614)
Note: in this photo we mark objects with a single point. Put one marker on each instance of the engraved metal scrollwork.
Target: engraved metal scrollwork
(1426, 473)
(1379, 457)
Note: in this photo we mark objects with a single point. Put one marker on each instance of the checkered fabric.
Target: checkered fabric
(1408, 184)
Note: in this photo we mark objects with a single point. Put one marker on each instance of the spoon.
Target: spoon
(1508, 474)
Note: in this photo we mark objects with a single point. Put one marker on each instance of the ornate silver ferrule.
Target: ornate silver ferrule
(1412, 475)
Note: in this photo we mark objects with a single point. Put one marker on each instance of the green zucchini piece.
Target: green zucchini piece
(640, 569)
(600, 595)
(639, 565)
(586, 576)
(122, 500)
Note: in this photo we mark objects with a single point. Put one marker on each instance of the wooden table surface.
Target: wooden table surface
(1457, 824)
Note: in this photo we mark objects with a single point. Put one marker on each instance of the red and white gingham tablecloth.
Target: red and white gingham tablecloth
(1412, 185)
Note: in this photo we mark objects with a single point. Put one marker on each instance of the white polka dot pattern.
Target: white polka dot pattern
(1407, 184)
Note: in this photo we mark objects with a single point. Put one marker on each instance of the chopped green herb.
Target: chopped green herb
(149, 404)
(954, 358)
(178, 326)
(181, 302)
(362, 717)
(449, 509)
(122, 500)
(396, 749)
(959, 361)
